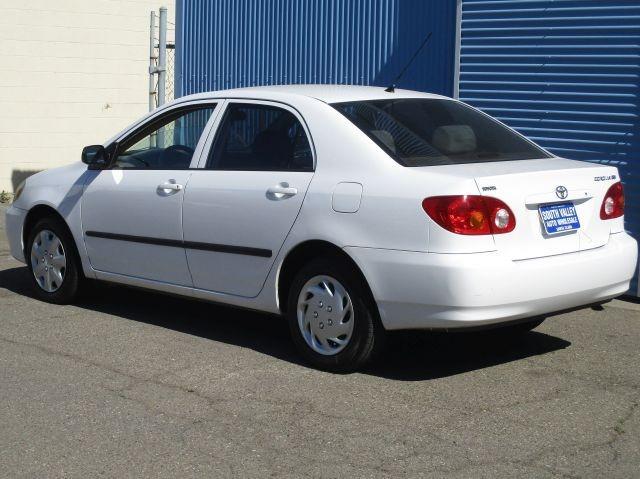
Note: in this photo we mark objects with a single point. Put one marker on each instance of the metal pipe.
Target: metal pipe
(152, 59)
(162, 57)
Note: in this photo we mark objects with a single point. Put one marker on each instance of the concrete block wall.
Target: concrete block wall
(72, 73)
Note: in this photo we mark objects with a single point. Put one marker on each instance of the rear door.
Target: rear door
(239, 208)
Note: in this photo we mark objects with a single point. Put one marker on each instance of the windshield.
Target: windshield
(428, 132)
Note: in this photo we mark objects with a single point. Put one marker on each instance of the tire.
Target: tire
(358, 322)
(46, 285)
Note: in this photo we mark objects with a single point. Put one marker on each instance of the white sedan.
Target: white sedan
(349, 210)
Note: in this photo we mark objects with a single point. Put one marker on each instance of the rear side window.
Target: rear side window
(429, 132)
(260, 138)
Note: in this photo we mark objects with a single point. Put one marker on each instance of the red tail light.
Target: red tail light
(470, 214)
(613, 203)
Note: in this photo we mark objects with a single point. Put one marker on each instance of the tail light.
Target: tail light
(613, 203)
(470, 214)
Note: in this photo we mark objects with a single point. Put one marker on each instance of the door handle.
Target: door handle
(170, 186)
(282, 191)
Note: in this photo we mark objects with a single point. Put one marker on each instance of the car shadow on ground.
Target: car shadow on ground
(410, 356)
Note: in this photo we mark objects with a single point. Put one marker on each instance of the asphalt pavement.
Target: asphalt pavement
(130, 383)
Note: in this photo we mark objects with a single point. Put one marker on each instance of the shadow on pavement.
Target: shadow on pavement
(421, 355)
(411, 356)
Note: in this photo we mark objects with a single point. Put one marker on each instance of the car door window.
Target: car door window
(260, 138)
(167, 143)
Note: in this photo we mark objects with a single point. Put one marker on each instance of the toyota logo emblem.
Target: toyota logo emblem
(562, 192)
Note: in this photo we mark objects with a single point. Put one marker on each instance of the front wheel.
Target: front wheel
(52, 261)
(332, 320)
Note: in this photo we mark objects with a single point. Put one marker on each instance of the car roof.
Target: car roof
(324, 93)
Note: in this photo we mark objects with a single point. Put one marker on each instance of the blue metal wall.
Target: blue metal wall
(234, 43)
(566, 73)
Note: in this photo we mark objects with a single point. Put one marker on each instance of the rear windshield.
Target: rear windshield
(429, 132)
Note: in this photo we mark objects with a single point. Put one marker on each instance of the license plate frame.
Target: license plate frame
(559, 217)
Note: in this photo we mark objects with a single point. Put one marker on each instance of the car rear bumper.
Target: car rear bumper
(416, 290)
(14, 220)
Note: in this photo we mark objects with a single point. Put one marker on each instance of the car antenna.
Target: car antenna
(392, 88)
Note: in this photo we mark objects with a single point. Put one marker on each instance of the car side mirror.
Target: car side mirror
(95, 156)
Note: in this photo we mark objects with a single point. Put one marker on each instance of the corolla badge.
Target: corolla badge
(562, 192)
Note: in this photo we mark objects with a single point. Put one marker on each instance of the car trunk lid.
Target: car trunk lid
(526, 186)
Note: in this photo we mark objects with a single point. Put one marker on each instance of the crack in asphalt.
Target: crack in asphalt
(618, 428)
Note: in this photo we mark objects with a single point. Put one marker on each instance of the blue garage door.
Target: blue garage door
(566, 73)
(237, 43)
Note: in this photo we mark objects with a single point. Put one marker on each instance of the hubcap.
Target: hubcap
(48, 261)
(325, 315)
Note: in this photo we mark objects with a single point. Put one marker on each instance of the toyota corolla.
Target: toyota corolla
(351, 211)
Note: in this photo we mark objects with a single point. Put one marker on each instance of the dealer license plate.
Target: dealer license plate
(559, 217)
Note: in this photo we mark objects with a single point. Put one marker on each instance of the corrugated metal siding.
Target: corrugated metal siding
(566, 73)
(236, 43)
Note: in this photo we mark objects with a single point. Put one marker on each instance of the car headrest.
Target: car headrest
(386, 138)
(454, 139)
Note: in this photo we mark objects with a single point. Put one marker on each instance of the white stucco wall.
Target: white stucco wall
(72, 73)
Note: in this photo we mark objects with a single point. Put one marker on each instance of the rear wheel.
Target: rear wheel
(53, 261)
(332, 320)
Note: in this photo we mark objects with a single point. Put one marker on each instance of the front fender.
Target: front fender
(61, 190)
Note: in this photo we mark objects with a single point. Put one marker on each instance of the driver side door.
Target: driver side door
(132, 211)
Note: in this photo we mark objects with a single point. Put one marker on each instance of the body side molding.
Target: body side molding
(220, 248)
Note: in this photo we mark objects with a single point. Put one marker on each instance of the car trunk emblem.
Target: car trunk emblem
(562, 192)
